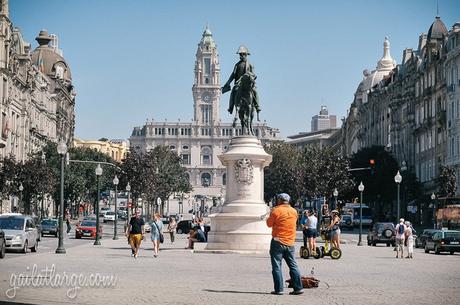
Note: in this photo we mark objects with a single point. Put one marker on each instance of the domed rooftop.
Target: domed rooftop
(48, 60)
(437, 30)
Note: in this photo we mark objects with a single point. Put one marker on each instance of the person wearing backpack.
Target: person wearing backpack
(400, 237)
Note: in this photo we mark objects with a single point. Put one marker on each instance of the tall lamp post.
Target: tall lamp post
(115, 182)
(42, 213)
(336, 194)
(20, 205)
(97, 242)
(62, 150)
(360, 189)
(398, 179)
(433, 198)
(128, 189)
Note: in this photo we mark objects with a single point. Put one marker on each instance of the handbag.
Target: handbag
(162, 238)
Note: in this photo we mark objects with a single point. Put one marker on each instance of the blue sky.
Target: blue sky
(134, 60)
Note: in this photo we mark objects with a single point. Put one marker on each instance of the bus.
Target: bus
(353, 210)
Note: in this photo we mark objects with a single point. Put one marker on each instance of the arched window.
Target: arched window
(206, 155)
(224, 179)
(206, 179)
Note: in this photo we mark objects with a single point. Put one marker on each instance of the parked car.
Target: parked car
(381, 233)
(443, 241)
(87, 228)
(346, 222)
(184, 226)
(2, 244)
(50, 227)
(109, 216)
(103, 210)
(421, 239)
(20, 232)
(123, 215)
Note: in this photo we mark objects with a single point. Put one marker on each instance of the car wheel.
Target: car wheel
(2, 250)
(35, 247)
(436, 249)
(179, 231)
(452, 252)
(426, 249)
(26, 245)
(388, 244)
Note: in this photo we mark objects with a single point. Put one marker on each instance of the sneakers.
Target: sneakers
(277, 292)
(296, 292)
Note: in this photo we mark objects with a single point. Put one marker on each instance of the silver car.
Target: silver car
(20, 232)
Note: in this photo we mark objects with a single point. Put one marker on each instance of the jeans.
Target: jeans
(279, 251)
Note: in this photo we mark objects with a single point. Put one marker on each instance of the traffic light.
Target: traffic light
(372, 165)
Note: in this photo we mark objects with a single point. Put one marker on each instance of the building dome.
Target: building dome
(437, 30)
(48, 60)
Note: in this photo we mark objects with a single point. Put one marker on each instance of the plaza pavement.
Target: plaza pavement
(364, 275)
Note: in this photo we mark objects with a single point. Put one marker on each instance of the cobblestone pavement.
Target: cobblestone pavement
(364, 275)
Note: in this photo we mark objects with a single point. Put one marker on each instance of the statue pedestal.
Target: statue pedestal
(238, 226)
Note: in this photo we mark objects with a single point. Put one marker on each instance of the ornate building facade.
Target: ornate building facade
(404, 107)
(200, 142)
(36, 94)
(115, 149)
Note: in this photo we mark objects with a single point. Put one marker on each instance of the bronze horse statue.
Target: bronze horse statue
(245, 103)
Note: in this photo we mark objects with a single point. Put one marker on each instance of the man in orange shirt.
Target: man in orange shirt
(283, 220)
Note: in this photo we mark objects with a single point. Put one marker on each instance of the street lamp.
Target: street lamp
(336, 194)
(97, 242)
(21, 188)
(62, 150)
(42, 214)
(115, 182)
(398, 179)
(360, 189)
(433, 198)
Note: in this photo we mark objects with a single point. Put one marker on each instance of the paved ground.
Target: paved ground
(364, 275)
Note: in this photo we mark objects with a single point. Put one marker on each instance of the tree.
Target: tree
(446, 182)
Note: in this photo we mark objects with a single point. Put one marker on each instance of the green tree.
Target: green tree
(446, 182)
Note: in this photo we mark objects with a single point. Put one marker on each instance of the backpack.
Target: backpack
(401, 229)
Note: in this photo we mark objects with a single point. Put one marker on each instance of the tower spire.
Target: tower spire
(437, 8)
(4, 8)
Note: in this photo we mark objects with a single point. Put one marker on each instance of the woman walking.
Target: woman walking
(156, 231)
(410, 240)
(172, 228)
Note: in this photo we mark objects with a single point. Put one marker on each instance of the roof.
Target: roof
(437, 29)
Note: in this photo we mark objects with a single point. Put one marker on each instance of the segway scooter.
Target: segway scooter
(328, 250)
(305, 252)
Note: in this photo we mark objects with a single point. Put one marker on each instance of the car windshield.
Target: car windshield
(49, 222)
(451, 234)
(383, 226)
(88, 224)
(110, 213)
(11, 223)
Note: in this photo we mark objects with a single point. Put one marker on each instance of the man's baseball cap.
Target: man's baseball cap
(283, 197)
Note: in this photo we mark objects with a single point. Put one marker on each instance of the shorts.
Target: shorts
(400, 241)
(311, 233)
(334, 233)
(135, 240)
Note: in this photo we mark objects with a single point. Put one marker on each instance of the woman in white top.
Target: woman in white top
(410, 240)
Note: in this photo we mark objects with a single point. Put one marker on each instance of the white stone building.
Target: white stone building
(200, 142)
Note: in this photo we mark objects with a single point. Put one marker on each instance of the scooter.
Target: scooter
(328, 250)
(305, 252)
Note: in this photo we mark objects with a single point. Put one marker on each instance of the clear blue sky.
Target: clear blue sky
(133, 60)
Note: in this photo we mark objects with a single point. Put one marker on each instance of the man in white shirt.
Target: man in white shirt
(400, 229)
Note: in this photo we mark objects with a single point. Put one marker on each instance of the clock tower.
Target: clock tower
(206, 88)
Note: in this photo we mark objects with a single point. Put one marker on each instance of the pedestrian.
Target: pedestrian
(67, 222)
(156, 234)
(283, 220)
(312, 232)
(400, 237)
(196, 236)
(335, 229)
(172, 228)
(135, 233)
(303, 225)
(408, 234)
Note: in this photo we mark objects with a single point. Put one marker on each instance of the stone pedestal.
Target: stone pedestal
(238, 226)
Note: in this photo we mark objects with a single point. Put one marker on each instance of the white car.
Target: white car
(109, 216)
(20, 232)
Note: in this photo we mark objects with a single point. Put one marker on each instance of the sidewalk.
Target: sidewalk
(364, 275)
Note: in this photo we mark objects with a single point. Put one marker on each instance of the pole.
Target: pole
(397, 219)
(97, 242)
(434, 214)
(60, 249)
(42, 214)
(360, 220)
(127, 210)
(115, 237)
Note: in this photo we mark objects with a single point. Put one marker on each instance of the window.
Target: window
(185, 147)
(172, 147)
(224, 179)
(186, 159)
(206, 179)
(59, 73)
(207, 66)
(206, 155)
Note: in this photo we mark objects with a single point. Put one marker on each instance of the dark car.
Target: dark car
(184, 226)
(443, 241)
(421, 239)
(381, 233)
(2, 244)
(49, 227)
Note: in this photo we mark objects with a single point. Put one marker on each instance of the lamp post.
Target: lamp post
(97, 242)
(433, 198)
(336, 194)
(62, 150)
(128, 189)
(20, 205)
(115, 182)
(42, 213)
(398, 179)
(360, 189)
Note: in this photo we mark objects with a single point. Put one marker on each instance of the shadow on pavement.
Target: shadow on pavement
(235, 291)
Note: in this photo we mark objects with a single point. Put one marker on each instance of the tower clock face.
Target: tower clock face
(206, 96)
